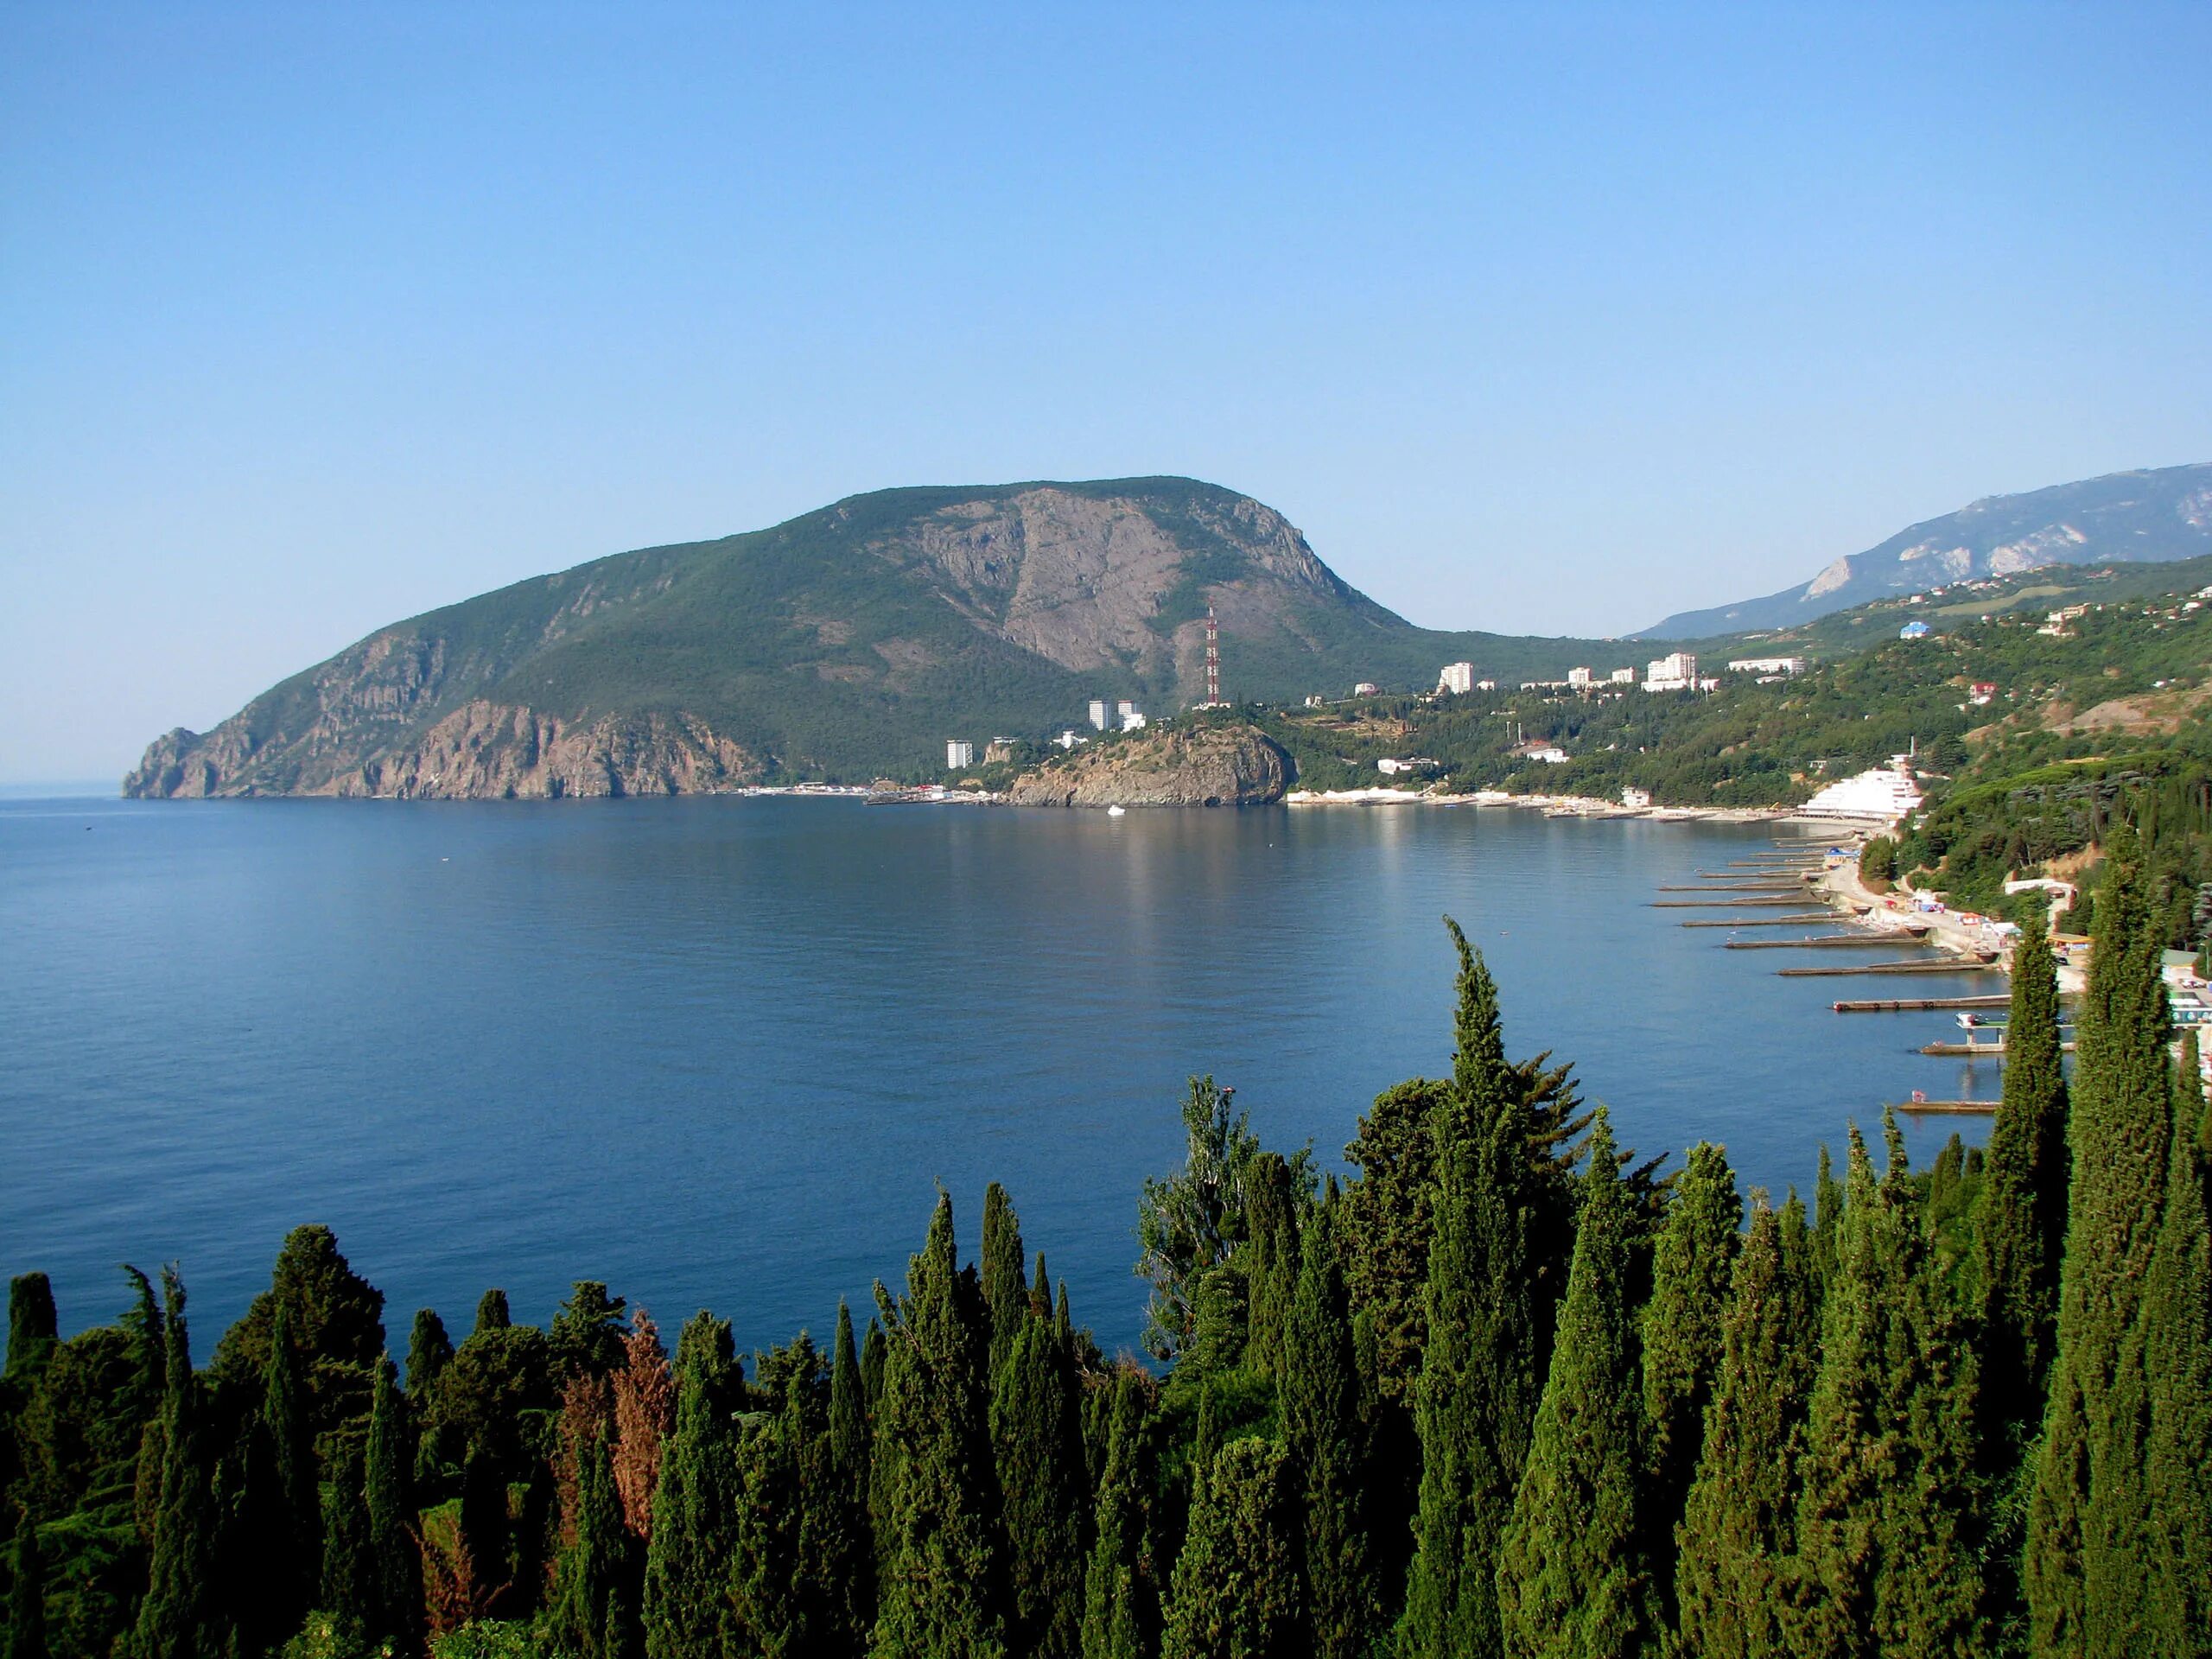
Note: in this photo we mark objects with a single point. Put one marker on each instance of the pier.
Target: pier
(1952, 965)
(1968, 1108)
(1973, 1051)
(1774, 902)
(1796, 919)
(1923, 1004)
(1820, 942)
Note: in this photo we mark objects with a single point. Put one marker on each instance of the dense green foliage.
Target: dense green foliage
(1576, 1412)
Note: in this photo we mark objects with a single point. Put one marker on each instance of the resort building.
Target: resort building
(1624, 677)
(1367, 689)
(1099, 713)
(1674, 672)
(1635, 799)
(1577, 677)
(1766, 665)
(1457, 678)
(958, 754)
(1913, 630)
(1883, 795)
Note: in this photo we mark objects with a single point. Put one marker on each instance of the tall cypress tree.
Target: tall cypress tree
(1476, 1399)
(26, 1593)
(1043, 1494)
(2090, 1536)
(1328, 1440)
(686, 1609)
(290, 1580)
(1005, 1294)
(1889, 1524)
(1120, 1605)
(1573, 1574)
(395, 1558)
(592, 1612)
(1827, 1221)
(178, 1618)
(1236, 1589)
(848, 1427)
(941, 1591)
(2020, 1228)
(492, 1312)
(430, 1351)
(2176, 1344)
(32, 1325)
(1737, 1537)
(1692, 1261)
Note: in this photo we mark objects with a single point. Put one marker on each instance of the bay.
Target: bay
(720, 1053)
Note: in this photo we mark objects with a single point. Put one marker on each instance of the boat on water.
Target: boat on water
(1117, 811)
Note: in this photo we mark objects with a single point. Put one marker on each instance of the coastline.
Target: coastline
(1557, 806)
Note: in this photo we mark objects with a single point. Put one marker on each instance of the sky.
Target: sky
(1534, 319)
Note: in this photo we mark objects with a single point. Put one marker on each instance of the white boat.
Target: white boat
(1116, 811)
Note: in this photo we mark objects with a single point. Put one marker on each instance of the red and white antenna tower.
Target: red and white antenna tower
(1213, 659)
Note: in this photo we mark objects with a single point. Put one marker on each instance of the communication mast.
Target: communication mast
(1213, 659)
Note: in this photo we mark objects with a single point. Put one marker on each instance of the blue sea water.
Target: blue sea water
(720, 1053)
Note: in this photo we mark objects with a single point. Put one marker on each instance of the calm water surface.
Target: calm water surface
(720, 1053)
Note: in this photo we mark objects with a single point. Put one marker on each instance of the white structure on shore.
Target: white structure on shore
(958, 754)
(1635, 799)
(1766, 665)
(1457, 678)
(1884, 795)
(1674, 672)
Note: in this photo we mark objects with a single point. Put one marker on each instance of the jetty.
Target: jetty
(1969, 1108)
(1919, 965)
(1819, 941)
(1796, 919)
(1922, 1004)
(1775, 901)
(1973, 1051)
(1733, 887)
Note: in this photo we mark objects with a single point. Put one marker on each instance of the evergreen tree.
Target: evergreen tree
(1328, 1438)
(695, 1504)
(1274, 1217)
(1235, 1583)
(292, 1578)
(179, 1618)
(848, 1425)
(1477, 1398)
(492, 1312)
(592, 1614)
(2090, 1545)
(1573, 1575)
(1039, 1444)
(1827, 1221)
(875, 1350)
(1005, 1294)
(348, 1566)
(1692, 1261)
(586, 1333)
(2020, 1228)
(764, 1569)
(395, 1559)
(32, 1325)
(1737, 1538)
(1890, 1531)
(430, 1351)
(1120, 1605)
(2176, 1344)
(836, 1551)
(942, 1592)
(26, 1592)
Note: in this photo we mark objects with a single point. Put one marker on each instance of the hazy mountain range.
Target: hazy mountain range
(2120, 518)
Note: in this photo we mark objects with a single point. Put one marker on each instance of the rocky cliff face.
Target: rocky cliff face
(1231, 765)
(482, 751)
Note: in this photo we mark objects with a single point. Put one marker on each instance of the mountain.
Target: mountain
(849, 643)
(2121, 518)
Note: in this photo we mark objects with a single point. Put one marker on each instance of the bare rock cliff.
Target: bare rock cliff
(1227, 765)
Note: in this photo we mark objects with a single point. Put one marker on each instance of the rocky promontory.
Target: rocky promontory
(1205, 766)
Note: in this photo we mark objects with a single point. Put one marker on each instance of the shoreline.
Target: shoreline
(1557, 806)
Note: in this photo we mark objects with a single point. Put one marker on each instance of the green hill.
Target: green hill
(848, 644)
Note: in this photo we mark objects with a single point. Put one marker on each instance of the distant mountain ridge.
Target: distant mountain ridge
(849, 643)
(2136, 517)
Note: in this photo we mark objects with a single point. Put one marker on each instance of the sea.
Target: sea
(723, 1053)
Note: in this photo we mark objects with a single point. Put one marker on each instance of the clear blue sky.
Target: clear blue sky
(1534, 319)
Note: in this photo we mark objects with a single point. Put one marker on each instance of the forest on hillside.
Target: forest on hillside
(1508, 1390)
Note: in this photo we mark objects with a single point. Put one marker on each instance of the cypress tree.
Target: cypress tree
(2177, 1343)
(1274, 1203)
(1328, 1438)
(492, 1312)
(764, 1569)
(395, 1559)
(941, 1593)
(1235, 1586)
(1477, 1397)
(686, 1611)
(1005, 1294)
(1732, 1577)
(293, 1577)
(2089, 1544)
(848, 1427)
(592, 1615)
(1889, 1530)
(1042, 1490)
(875, 1349)
(1573, 1575)
(178, 1617)
(32, 1325)
(2021, 1227)
(835, 1573)
(1827, 1221)
(1692, 1262)
(348, 1571)
(27, 1592)
(430, 1351)
(1120, 1608)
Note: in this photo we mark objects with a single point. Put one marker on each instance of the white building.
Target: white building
(1550, 753)
(1578, 677)
(1067, 739)
(1367, 689)
(1624, 677)
(958, 754)
(1635, 799)
(1457, 677)
(1881, 796)
(1133, 720)
(1099, 713)
(1766, 665)
(1485, 685)
(1673, 672)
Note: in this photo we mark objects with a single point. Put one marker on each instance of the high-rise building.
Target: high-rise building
(1578, 677)
(1457, 678)
(958, 754)
(1624, 677)
(1677, 671)
(1099, 713)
